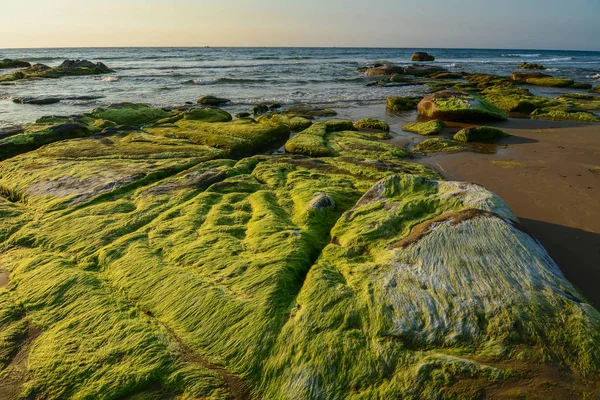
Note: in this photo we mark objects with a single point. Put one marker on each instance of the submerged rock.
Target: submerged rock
(523, 76)
(439, 145)
(7, 63)
(478, 133)
(454, 106)
(310, 111)
(550, 82)
(425, 128)
(421, 56)
(526, 65)
(424, 70)
(212, 101)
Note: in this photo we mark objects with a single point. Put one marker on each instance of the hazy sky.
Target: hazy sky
(526, 24)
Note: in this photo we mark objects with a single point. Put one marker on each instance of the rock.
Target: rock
(425, 128)
(207, 115)
(478, 133)
(135, 114)
(523, 76)
(550, 82)
(212, 101)
(423, 70)
(584, 86)
(274, 106)
(11, 131)
(565, 112)
(260, 109)
(8, 63)
(37, 101)
(421, 56)
(596, 89)
(531, 66)
(439, 145)
(384, 70)
(447, 75)
(296, 123)
(67, 68)
(372, 123)
(456, 106)
(321, 202)
(242, 115)
(310, 111)
(398, 104)
(516, 100)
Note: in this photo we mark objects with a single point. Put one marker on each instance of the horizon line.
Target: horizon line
(293, 47)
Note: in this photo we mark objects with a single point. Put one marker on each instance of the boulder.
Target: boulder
(396, 104)
(420, 56)
(477, 133)
(458, 106)
(550, 82)
(425, 128)
(423, 70)
(37, 101)
(243, 115)
(310, 111)
(82, 67)
(212, 101)
(384, 70)
(260, 109)
(579, 85)
(526, 65)
(596, 89)
(8, 63)
(372, 124)
(523, 76)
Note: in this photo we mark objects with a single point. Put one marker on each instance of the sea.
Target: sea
(169, 77)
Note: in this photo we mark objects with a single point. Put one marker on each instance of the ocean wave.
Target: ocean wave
(523, 55)
(595, 76)
(111, 79)
(558, 59)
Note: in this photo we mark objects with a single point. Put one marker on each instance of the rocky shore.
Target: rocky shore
(288, 253)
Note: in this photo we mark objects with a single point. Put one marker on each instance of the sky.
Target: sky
(507, 24)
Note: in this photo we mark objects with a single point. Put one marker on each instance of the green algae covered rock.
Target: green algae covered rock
(67, 68)
(596, 89)
(439, 145)
(134, 114)
(479, 133)
(516, 100)
(207, 115)
(421, 56)
(150, 264)
(8, 63)
(584, 86)
(425, 128)
(397, 104)
(212, 101)
(372, 124)
(295, 122)
(526, 65)
(565, 112)
(24, 142)
(447, 75)
(456, 106)
(550, 82)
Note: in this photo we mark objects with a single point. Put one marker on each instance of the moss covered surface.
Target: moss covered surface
(479, 133)
(398, 104)
(457, 106)
(67, 68)
(295, 122)
(372, 124)
(425, 128)
(155, 264)
(550, 82)
(566, 112)
(440, 145)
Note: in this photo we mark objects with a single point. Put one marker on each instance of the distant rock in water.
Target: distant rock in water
(212, 101)
(8, 63)
(526, 65)
(424, 70)
(523, 76)
(456, 106)
(421, 56)
(67, 68)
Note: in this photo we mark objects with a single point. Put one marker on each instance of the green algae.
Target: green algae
(596, 89)
(398, 104)
(295, 122)
(372, 124)
(479, 133)
(516, 100)
(207, 115)
(550, 82)
(439, 145)
(130, 114)
(579, 85)
(456, 106)
(565, 113)
(425, 128)
(154, 264)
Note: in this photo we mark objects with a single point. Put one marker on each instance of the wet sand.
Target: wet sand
(546, 173)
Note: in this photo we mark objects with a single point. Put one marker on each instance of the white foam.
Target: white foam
(522, 55)
(595, 76)
(111, 79)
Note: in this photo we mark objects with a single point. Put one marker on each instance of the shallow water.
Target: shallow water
(247, 76)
